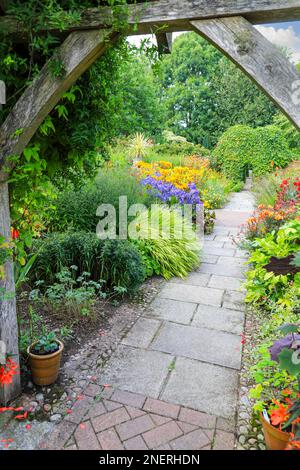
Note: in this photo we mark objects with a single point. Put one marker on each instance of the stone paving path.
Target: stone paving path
(173, 381)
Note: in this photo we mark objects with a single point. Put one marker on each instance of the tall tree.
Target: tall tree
(205, 93)
(137, 104)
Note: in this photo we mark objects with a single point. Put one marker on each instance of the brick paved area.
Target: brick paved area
(125, 420)
(173, 381)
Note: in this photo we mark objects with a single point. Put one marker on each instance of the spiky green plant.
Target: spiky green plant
(138, 146)
(168, 239)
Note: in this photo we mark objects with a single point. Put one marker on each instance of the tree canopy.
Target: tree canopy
(205, 94)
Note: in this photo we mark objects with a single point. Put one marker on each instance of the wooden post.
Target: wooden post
(164, 43)
(79, 51)
(8, 314)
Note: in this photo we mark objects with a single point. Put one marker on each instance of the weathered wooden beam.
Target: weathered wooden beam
(8, 317)
(175, 14)
(258, 58)
(75, 55)
(164, 43)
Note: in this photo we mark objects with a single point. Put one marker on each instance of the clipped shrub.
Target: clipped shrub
(117, 262)
(241, 148)
(76, 210)
(290, 132)
(170, 243)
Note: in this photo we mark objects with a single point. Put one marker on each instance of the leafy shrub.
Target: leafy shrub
(290, 132)
(169, 136)
(116, 262)
(215, 191)
(72, 294)
(242, 148)
(175, 253)
(263, 286)
(76, 210)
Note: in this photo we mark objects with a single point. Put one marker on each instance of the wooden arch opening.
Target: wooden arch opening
(227, 24)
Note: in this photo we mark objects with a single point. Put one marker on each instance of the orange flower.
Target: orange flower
(7, 372)
(279, 415)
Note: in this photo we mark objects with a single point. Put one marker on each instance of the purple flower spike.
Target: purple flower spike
(167, 192)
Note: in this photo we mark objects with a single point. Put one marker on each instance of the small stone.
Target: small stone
(48, 390)
(47, 407)
(55, 418)
(33, 404)
(30, 385)
(260, 437)
(261, 446)
(252, 441)
(242, 439)
(243, 430)
(39, 397)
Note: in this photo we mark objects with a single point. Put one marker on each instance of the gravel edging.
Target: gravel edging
(249, 430)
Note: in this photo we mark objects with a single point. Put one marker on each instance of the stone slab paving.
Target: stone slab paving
(173, 381)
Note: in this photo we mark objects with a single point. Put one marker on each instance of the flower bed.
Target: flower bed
(272, 236)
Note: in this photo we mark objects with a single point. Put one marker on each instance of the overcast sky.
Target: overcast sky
(282, 34)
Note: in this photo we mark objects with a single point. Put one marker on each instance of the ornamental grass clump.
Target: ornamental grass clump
(167, 238)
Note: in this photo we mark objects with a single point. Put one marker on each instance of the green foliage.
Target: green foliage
(116, 263)
(174, 152)
(76, 210)
(169, 136)
(33, 326)
(5, 254)
(47, 344)
(241, 148)
(168, 241)
(263, 286)
(296, 260)
(289, 130)
(205, 94)
(265, 189)
(138, 146)
(71, 294)
(186, 88)
(215, 191)
(136, 104)
(238, 100)
(268, 377)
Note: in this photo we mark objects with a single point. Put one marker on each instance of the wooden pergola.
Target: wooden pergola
(227, 24)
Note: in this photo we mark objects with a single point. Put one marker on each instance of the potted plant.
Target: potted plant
(281, 421)
(44, 358)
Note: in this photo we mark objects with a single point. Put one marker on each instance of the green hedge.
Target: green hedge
(241, 148)
(116, 262)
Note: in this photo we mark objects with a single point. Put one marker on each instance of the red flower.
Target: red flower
(15, 233)
(7, 372)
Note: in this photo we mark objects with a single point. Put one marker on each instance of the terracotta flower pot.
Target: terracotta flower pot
(45, 368)
(275, 439)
